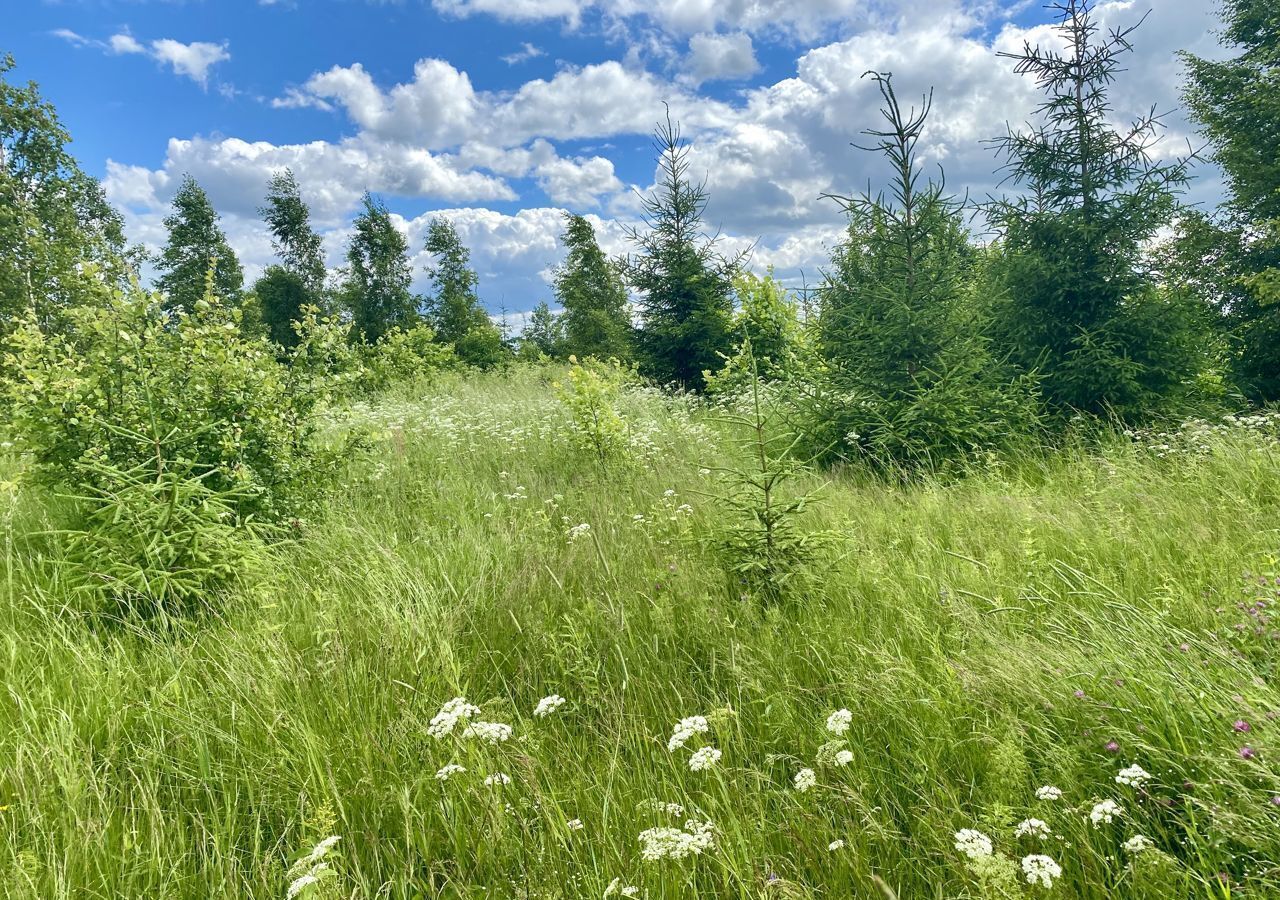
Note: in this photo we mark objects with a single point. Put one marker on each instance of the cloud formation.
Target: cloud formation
(193, 60)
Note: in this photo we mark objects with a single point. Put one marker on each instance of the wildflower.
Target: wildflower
(973, 843)
(1134, 776)
(548, 705)
(1104, 812)
(617, 889)
(1040, 869)
(804, 780)
(446, 720)
(685, 729)
(844, 757)
(671, 809)
(1112, 747)
(1247, 752)
(489, 732)
(838, 722)
(1137, 844)
(673, 843)
(1048, 792)
(1242, 726)
(578, 531)
(837, 844)
(1037, 828)
(302, 882)
(704, 759)
(497, 779)
(574, 825)
(444, 773)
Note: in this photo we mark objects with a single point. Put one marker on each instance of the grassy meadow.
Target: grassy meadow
(1042, 622)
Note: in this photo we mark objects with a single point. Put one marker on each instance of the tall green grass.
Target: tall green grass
(1047, 621)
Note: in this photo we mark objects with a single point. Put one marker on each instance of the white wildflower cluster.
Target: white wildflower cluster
(671, 809)
(1105, 812)
(1040, 869)
(1048, 792)
(497, 779)
(1134, 776)
(686, 728)
(446, 720)
(973, 843)
(704, 759)
(489, 732)
(673, 843)
(1197, 437)
(804, 780)
(837, 844)
(838, 722)
(843, 757)
(1138, 843)
(447, 772)
(311, 869)
(574, 825)
(617, 889)
(548, 705)
(574, 532)
(1036, 828)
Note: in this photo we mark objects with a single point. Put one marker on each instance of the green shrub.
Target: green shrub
(403, 356)
(591, 391)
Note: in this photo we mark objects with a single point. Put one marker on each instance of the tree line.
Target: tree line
(1100, 293)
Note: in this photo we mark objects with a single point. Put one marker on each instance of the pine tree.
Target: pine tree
(454, 309)
(684, 283)
(376, 290)
(913, 381)
(1237, 102)
(1079, 304)
(595, 320)
(196, 244)
(53, 217)
(300, 249)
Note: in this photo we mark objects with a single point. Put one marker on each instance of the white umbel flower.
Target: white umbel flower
(673, 843)
(574, 825)
(1105, 812)
(489, 732)
(1048, 792)
(1138, 843)
(446, 720)
(1036, 828)
(497, 779)
(1134, 776)
(685, 729)
(804, 780)
(973, 843)
(704, 759)
(843, 757)
(837, 844)
(838, 722)
(1040, 869)
(548, 705)
(444, 773)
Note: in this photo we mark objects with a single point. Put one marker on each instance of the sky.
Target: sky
(503, 114)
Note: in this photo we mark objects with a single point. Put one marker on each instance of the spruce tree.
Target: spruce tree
(1078, 302)
(454, 308)
(376, 290)
(53, 217)
(195, 245)
(1237, 102)
(912, 381)
(595, 320)
(684, 283)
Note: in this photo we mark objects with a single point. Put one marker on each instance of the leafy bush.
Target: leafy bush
(591, 391)
(403, 355)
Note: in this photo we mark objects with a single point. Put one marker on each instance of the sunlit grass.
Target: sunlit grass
(1044, 622)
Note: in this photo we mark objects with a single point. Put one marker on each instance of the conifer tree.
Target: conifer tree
(195, 246)
(378, 277)
(53, 217)
(1078, 304)
(684, 283)
(913, 381)
(1237, 102)
(595, 320)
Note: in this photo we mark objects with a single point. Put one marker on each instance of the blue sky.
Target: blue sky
(503, 113)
